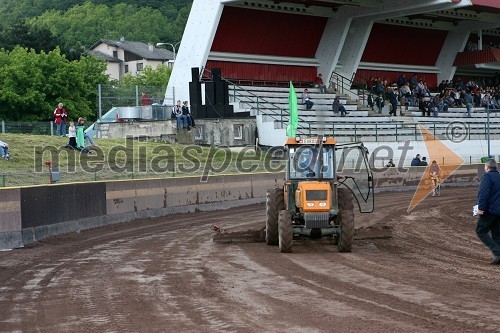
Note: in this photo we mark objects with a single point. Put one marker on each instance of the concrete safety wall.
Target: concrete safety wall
(30, 214)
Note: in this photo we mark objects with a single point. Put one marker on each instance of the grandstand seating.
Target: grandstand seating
(361, 123)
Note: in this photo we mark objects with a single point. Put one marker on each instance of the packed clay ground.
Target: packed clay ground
(423, 271)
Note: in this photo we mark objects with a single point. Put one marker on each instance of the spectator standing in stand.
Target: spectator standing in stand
(393, 99)
(401, 80)
(60, 116)
(469, 103)
(318, 83)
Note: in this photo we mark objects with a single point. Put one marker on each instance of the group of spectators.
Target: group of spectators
(185, 119)
(404, 91)
(415, 92)
(76, 131)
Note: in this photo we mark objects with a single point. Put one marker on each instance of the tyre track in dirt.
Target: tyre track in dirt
(166, 274)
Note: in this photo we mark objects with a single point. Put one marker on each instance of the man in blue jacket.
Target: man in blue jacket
(488, 201)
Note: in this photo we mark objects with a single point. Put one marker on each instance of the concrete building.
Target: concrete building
(129, 57)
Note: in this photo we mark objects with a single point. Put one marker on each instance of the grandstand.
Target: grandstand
(346, 41)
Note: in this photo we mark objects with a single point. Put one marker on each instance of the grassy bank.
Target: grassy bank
(119, 159)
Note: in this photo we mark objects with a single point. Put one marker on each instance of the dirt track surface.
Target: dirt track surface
(167, 275)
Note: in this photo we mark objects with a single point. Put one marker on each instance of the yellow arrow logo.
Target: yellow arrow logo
(448, 160)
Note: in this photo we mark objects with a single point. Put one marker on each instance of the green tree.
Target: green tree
(86, 24)
(31, 84)
(150, 77)
(22, 34)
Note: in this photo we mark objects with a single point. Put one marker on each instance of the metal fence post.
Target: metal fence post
(3, 127)
(51, 128)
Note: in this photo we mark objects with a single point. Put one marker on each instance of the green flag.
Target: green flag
(293, 122)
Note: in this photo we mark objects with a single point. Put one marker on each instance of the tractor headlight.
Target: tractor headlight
(322, 204)
(310, 204)
(297, 138)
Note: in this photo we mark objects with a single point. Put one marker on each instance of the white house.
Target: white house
(128, 57)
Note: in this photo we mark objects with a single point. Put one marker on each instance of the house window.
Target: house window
(115, 54)
(238, 131)
(139, 66)
(126, 68)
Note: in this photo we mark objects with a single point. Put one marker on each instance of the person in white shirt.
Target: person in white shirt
(72, 134)
(4, 150)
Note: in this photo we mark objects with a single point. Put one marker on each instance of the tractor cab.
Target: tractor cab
(320, 160)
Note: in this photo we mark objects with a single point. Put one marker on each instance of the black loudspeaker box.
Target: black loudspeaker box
(209, 93)
(195, 74)
(199, 111)
(216, 74)
(195, 93)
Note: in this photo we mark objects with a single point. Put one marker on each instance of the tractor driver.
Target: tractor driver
(308, 162)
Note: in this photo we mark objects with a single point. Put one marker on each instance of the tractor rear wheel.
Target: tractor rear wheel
(275, 202)
(346, 214)
(285, 231)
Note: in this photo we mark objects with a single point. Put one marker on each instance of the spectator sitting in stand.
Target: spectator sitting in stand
(4, 150)
(423, 162)
(318, 83)
(426, 91)
(189, 116)
(424, 106)
(177, 113)
(337, 106)
(307, 100)
(448, 101)
(390, 164)
(416, 161)
(405, 92)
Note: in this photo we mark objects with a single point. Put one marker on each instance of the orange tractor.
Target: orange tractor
(323, 181)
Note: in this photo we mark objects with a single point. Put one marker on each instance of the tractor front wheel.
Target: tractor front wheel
(285, 231)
